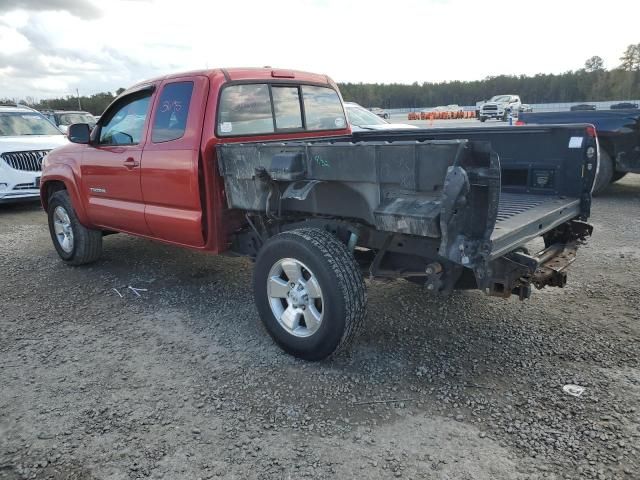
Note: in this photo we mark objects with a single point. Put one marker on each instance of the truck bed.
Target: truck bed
(482, 190)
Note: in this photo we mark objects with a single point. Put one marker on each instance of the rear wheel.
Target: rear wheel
(309, 293)
(605, 173)
(75, 244)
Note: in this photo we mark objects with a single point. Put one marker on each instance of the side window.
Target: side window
(126, 124)
(170, 121)
(286, 103)
(245, 110)
(322, 108)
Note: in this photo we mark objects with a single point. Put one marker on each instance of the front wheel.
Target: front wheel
(483, 119)
(309, 293)
(75, 244)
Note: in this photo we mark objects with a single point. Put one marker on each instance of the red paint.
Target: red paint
(169, 191)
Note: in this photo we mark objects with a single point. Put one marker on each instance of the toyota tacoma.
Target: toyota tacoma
(262, 163)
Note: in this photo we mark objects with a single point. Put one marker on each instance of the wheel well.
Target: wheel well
(607, 146)
(51, 188)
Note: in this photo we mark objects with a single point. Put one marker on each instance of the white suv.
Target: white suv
(26, 136)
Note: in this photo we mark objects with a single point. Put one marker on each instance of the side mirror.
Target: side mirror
(79, 133)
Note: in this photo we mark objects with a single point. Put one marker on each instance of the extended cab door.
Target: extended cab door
(171, 171)
(111, 165)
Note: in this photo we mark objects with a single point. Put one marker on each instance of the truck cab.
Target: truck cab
(139, 170)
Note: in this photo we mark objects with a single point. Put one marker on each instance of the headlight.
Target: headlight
(44, 161)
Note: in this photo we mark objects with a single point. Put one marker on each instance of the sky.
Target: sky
(50, 48)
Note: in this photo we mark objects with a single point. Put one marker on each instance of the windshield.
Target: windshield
(25, 123)
(71, 118)
(361, 117)
(500, 98)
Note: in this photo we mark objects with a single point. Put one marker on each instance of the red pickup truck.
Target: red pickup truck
(262, 162)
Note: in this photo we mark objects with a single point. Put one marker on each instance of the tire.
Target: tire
(483, 119)
(605, 173)
(618, 176)
(386, 116)
(75, 244)
(335, 306)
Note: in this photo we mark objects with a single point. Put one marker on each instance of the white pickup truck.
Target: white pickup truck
(499, 107)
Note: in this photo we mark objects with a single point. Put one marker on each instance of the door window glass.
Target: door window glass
(170, 121)
(126, 125)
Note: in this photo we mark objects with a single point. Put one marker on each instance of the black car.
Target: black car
(581, 107)
(623, 106)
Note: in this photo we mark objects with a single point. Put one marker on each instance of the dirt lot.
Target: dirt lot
(183, 382)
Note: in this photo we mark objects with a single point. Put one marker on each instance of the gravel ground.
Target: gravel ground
(183, 382)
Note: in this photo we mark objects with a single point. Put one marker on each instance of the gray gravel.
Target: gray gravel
(183, 382)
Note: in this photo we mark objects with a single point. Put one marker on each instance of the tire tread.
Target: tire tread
(87, 242)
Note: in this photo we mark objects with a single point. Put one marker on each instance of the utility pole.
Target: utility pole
(78, 95)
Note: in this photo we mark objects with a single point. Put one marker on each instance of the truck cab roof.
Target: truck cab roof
(244, 74)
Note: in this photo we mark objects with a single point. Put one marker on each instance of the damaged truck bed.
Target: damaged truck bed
(445, 208)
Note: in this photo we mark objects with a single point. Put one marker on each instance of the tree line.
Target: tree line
(591, 83)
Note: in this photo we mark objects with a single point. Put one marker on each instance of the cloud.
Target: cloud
(80, 8)
(51, 47)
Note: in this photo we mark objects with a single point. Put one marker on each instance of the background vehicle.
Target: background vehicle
(499, 107)
(25, 138)
(362, 119)
(624, 106)
(582, 107)
(380, 112)
(262, 163)
(618, 135)
(62, 119)
(454, 107)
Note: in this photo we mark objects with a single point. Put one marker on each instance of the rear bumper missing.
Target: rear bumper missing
(517, 271)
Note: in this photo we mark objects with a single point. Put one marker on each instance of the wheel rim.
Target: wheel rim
(295, 297)
(62, 229)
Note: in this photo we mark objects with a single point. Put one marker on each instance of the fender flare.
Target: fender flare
(64, 174)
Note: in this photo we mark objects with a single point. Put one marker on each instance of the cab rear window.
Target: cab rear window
(322, 108)
(258, 109)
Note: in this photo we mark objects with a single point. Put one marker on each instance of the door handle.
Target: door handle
(131, 163)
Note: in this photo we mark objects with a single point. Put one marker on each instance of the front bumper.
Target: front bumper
(22, 197)
(492, 113)
(18, 185)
